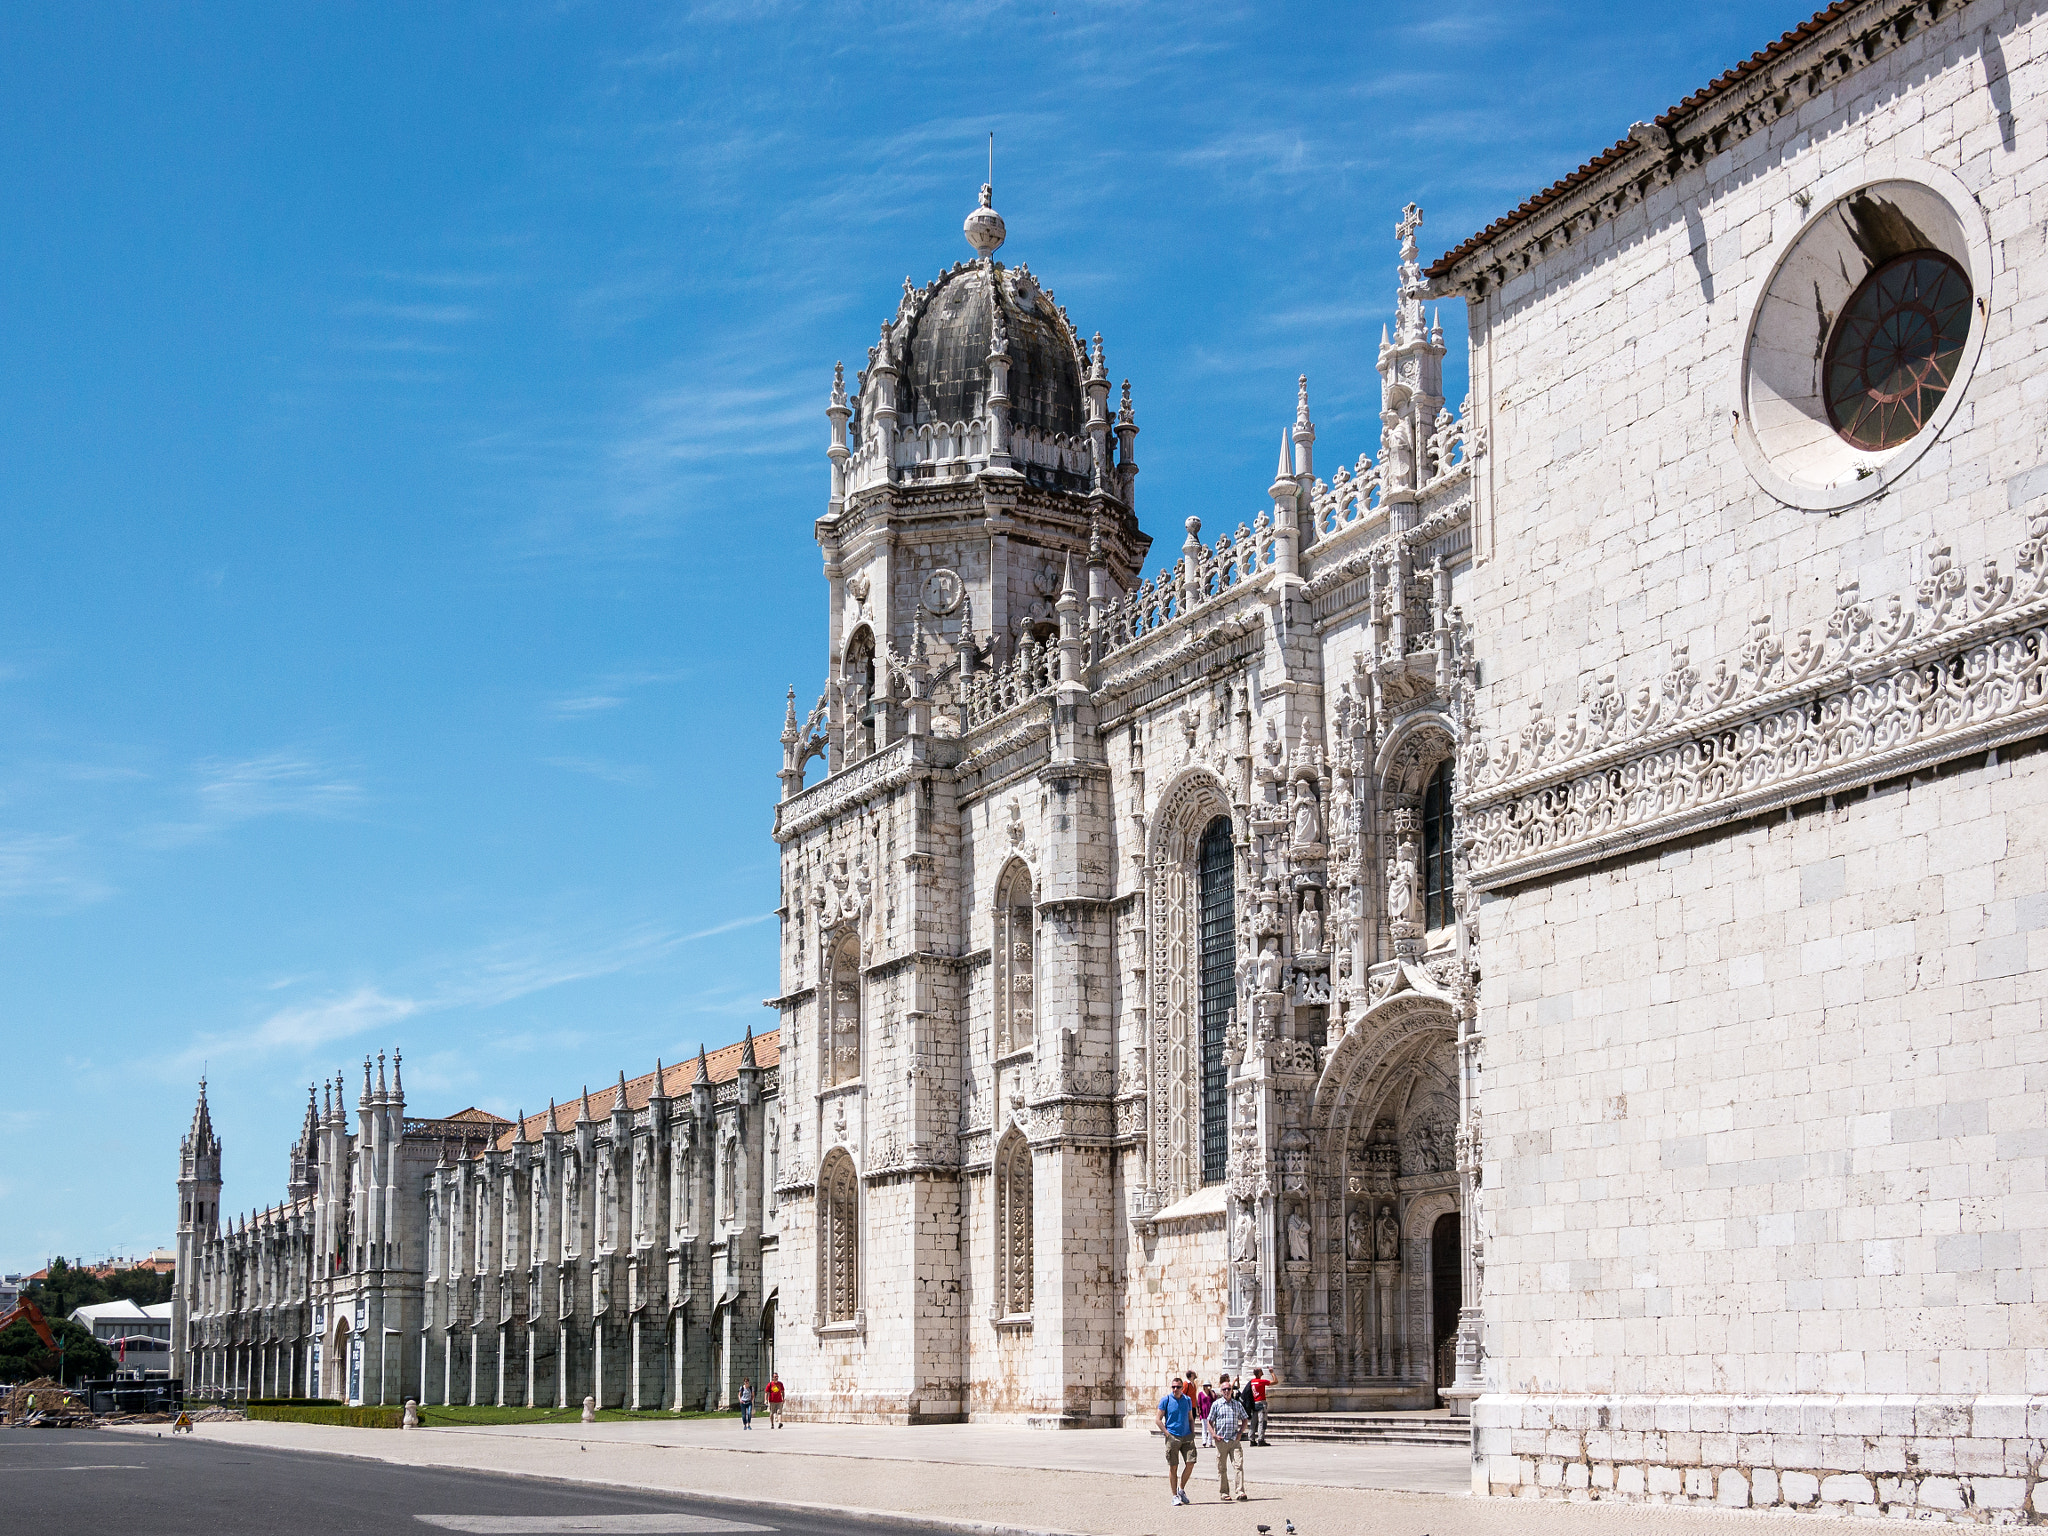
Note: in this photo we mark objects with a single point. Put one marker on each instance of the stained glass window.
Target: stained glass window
(1895, 349)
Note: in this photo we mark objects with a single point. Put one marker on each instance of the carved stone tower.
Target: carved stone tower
(198, 1218)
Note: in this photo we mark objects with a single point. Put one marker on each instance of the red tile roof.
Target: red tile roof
(1705, 95)
(722, 1066)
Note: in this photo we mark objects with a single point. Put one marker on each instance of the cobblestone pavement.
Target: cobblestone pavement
(978, 1475)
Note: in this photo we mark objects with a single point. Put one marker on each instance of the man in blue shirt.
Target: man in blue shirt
(1176, 1421)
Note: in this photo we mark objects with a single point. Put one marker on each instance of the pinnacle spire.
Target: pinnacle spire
(747, 1049)
(583, 1114)
(703, 1067)
(1286, 468)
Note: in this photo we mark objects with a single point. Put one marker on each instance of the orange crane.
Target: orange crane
(36, 1320)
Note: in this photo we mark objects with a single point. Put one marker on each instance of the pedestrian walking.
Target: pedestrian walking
(774, 1393)
(746, 1403)
(1204, 1400)
(1258, 1407)
(1176, 1421)
(1227, 1424)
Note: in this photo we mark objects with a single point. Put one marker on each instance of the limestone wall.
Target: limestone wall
(1765, 1180)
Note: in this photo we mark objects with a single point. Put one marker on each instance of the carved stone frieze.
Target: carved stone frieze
(1886, 689)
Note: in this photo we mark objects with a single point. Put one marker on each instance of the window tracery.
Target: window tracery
(1015, 950)
(1437, 842)
(838, 1239)
(1013, 1215)
(842, 1027)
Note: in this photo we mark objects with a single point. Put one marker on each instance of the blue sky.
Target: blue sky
(413, 435)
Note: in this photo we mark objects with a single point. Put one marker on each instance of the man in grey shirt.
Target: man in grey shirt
(1227, 1425)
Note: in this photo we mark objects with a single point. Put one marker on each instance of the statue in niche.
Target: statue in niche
(1398, 450)
(1358, 1235)
(1297, 1238)
(1308, 926)
(1269, 965)
(1388, 1234)
(1246, 1243)
(1401, 883)
(1308, 819)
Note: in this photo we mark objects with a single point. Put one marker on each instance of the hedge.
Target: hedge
(358, 1418)
(295, 1402)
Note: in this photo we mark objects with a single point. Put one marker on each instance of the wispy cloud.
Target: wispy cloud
(483, 979)
(46, 872)
(419, 314)
(598, 768)
(227, 792)
(608, 693)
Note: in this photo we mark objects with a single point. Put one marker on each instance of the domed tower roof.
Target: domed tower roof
(932, 404)
(945, 371)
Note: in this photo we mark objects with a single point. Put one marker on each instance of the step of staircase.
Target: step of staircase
(1369, 1429)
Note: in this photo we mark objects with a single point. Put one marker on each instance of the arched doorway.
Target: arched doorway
(1447, 1295)
(768, 1339)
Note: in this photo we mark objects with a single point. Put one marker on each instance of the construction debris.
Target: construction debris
(44, 1402)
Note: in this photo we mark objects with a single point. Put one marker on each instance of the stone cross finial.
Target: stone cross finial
(1411, 220)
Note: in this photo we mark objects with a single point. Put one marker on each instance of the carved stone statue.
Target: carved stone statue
(1269, 965)
(1387, 1234)
(1308, 926)
(1308, 820)
(1246, 1242)
(1397, 452)
(1297, 1238)
(1401, 883)
(1358, 1235)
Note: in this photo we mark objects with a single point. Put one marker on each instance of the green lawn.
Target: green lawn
(456, 1417)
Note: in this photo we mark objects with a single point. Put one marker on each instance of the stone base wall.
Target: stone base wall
(1976, 1459)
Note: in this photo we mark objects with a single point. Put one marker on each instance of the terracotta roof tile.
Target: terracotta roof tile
(1720, 85)
(723, 1065)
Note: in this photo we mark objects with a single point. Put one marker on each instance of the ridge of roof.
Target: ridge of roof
(1645, 137)
(722, 1065)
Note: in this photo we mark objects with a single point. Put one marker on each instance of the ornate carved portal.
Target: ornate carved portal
(1365, 1311)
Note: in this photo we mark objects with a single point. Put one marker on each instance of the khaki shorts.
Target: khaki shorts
(1179, 1450)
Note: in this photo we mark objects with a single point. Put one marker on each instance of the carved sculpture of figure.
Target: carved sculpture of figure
(1358, 1235)
(1269, 965)
(1246, 1243)
(1308, 820)
(1308, 926)
(1401, 883)
(1398, 452)
(1387, 1234)
(1274, 752)
(1297, 1238)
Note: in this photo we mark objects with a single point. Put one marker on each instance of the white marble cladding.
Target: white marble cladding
(1969, 1458)
(1755, 798)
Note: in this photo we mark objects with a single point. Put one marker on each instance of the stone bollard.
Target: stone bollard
(412, 1415)
(590, 1410)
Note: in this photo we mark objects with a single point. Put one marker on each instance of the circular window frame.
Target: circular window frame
(1786, 438)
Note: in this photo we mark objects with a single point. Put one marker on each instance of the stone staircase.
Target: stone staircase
(1415, 1428)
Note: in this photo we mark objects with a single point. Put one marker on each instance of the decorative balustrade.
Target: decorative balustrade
(1201, 575)
(1031, 671)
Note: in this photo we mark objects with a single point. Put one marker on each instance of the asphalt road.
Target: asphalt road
(59, 1480)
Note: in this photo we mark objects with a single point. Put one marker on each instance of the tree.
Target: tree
(65, 1289)
(144, 1287)
(23, 1356)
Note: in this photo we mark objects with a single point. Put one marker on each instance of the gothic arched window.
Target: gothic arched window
(1013, 1226)
(842, 1005)
(1014, 946)
(1219, 986)
(838, 1239)
(1436, 848)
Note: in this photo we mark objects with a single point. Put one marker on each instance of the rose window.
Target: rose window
(1896, 348)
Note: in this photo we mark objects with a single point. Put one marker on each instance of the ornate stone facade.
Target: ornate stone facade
(621, 1248)
(1113, 997)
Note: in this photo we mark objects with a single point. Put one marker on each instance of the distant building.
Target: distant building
(140, 1337)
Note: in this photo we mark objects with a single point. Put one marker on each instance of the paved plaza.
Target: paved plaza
(990, 1478)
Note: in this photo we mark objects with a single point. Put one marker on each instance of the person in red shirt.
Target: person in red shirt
(773, 1392)
(1258, 1407)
